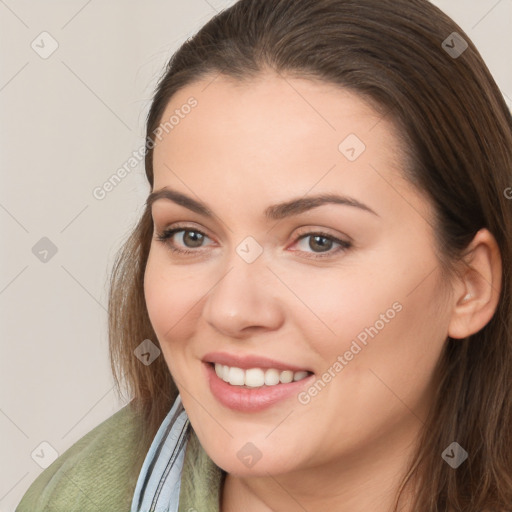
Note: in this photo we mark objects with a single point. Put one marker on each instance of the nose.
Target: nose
(245, 300)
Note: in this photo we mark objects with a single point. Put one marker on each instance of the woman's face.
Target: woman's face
(348, 291)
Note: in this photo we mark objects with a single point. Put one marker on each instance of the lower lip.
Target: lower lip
(251, 400)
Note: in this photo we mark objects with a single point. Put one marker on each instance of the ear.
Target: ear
(478, 286)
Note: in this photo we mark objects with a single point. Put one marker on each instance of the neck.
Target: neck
(354, 483)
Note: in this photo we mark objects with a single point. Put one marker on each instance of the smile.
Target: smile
(266, 387)
(257, 377)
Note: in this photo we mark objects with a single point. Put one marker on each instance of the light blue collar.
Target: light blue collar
(158, 486)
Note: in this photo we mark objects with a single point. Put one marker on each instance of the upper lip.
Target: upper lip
(247, 361)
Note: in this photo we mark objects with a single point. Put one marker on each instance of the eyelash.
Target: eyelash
(167, 234)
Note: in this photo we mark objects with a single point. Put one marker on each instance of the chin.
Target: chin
(246, 458)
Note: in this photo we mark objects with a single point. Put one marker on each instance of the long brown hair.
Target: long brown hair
(458, 130)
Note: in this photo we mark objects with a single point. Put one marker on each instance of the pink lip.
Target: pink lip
(250, 400)
(249, 361)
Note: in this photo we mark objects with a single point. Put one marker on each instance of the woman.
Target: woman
(314, 310)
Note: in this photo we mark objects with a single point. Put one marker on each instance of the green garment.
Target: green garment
(96, 473)
(201, 480)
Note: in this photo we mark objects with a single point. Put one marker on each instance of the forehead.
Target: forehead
(272, 101)
(275, 134)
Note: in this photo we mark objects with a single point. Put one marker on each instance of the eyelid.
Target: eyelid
(185, 226)
(303, 230)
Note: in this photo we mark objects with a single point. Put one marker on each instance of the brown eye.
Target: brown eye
(321, 243)
(189, 239)
(192, 238)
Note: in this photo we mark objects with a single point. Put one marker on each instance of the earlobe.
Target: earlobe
(479, 287)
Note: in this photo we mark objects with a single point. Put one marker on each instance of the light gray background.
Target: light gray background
(68, 122)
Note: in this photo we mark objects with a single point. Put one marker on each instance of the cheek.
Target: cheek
(339, 305)
(171, 300)
(172, 304)
(400, 347)
(386, 319)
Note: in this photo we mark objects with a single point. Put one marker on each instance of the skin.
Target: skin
(246, 147)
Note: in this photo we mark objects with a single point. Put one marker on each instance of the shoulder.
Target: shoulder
(94, 474)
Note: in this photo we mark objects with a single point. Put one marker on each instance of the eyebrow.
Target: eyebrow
(273, 212)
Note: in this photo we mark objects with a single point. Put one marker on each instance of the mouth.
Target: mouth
(251, 378)
(254, 389)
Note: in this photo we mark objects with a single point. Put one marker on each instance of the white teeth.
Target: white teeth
(256, 377)
(300, 375)
(271, 377)
(235, 376)
(286, 376)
